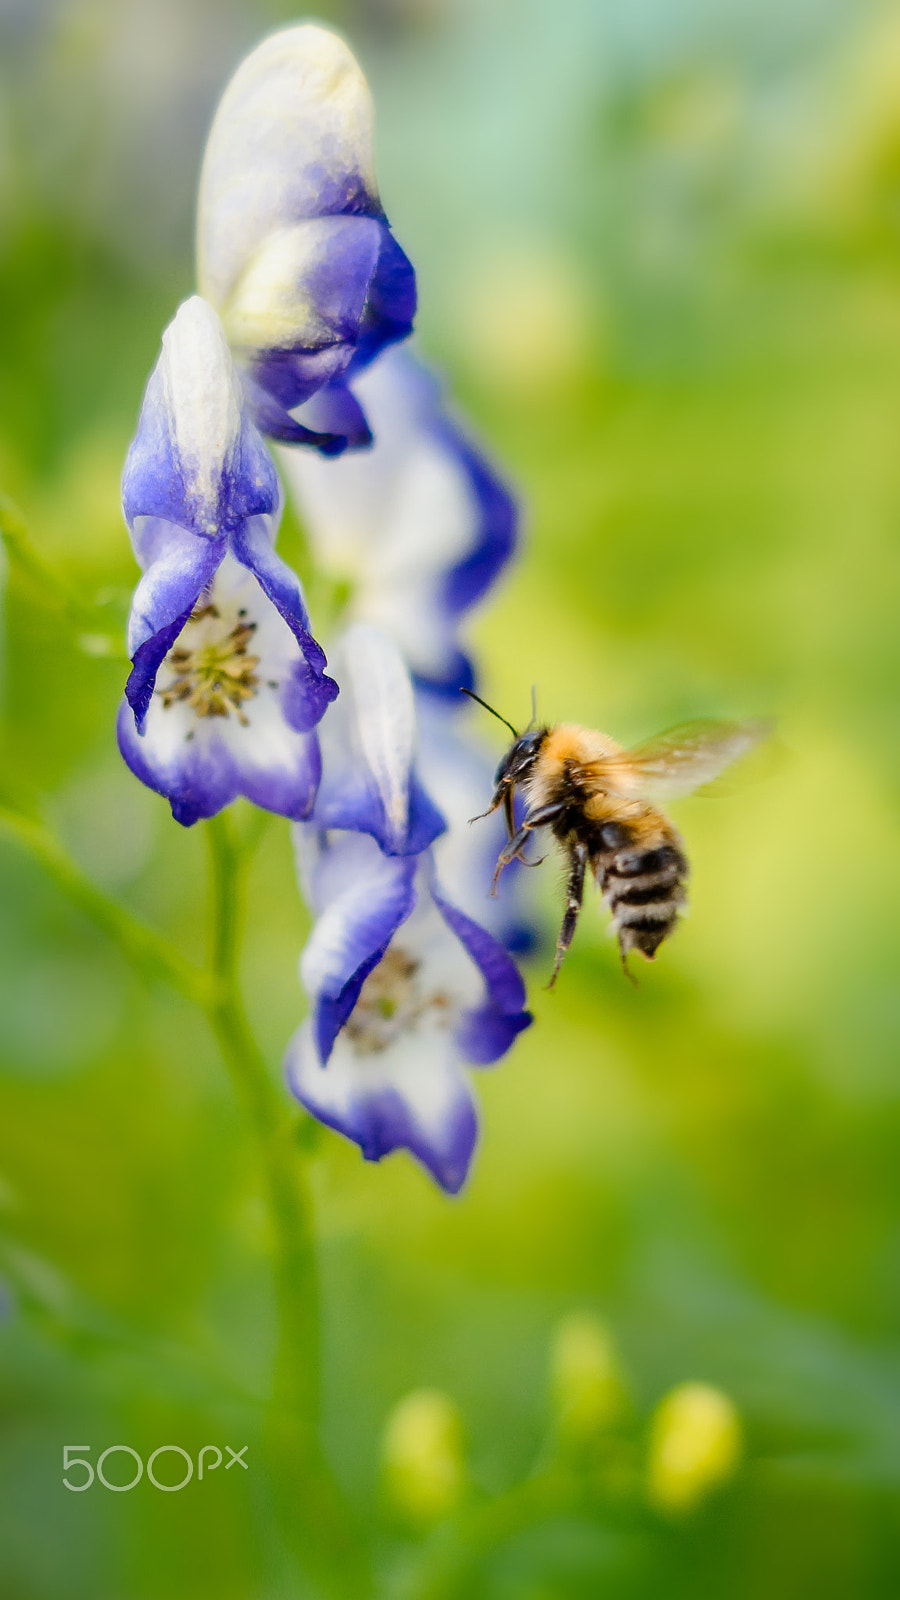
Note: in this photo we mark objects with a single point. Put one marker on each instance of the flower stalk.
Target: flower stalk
(314, 1522)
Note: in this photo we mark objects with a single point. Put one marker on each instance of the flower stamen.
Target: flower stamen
(391, 1002)
(216, 676)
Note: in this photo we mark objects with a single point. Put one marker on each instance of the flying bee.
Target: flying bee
(598, 800)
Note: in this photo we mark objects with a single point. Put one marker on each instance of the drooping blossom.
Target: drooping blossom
(405, 987)
(294, 249)
(420, 525)
(370, 782)
(406, 993)
(227, 683)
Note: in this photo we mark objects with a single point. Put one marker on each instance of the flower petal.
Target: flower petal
(305, 290)
(293, 245)
(487, 1031)
(196, 459)
(368, 745)
(203, 754)
(364, 897)
(414, 1096)
(291, 138)
(421, 523)
(335, 413)
(201, 777)
(311, 691)
(181, 565)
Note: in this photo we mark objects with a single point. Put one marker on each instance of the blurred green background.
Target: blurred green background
(658, 246)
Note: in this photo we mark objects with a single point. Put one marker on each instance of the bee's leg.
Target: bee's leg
(534, 819)
(575, 889)
(508, 812)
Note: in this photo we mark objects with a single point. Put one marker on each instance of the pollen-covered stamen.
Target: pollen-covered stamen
(212, 672)
(392, 1001)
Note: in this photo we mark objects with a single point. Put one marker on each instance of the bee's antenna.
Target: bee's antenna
(473, 696)
(533, 706)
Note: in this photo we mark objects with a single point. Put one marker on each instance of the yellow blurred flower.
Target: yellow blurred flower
(588, 1392)
(695, 1446)
(422, 1456)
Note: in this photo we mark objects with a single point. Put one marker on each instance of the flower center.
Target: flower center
(391, 1002)
(212, 672)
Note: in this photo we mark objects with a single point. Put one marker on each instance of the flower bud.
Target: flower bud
(422, 1455)
(695, 1445)
(588, 1392)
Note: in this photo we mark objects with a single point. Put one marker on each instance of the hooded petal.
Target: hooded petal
(196, 460)
(293, 246)
(421, 523)
(369, 782)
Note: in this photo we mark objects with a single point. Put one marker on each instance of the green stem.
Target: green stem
(150, 954)
(83, 616)
(326, 1553)
(312, 1513)
(298, 1363)
(452, 1557)
(23, 554)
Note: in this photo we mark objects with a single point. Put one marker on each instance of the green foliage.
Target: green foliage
(661, 269)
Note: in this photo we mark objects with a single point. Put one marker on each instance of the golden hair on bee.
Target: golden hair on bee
(599, 802)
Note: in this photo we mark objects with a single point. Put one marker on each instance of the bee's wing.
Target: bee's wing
(682, 760)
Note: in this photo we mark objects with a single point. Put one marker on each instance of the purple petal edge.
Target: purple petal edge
(486, 1033)
(381, 1123)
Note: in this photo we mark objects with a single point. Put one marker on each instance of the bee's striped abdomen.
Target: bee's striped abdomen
(644, 889)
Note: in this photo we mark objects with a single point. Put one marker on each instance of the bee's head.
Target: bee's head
(519, 759)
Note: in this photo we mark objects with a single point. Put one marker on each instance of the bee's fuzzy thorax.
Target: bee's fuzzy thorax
(566, 747)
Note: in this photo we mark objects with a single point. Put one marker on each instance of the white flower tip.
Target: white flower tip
(294, 123)
(385, 715)
(202, 399)
(321, 59)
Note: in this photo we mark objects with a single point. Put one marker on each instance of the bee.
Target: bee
(598, 800)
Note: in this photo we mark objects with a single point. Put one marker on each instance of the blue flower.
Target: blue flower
(294, 249)
(368, 740)
(227, 681)
(406, 987)
(421, 525)
(406, 991)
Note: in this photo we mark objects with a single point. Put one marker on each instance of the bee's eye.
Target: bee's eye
(500, 774)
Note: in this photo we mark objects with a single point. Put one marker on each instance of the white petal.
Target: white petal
(295, 118)
(404, 503)
(377, 883)
(380, 703)
(202, 399)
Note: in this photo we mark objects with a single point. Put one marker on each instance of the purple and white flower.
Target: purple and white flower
(407, 991)
(294, 249)
(420, 525)
(370, 782)
(406, 987)
(227, 682)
